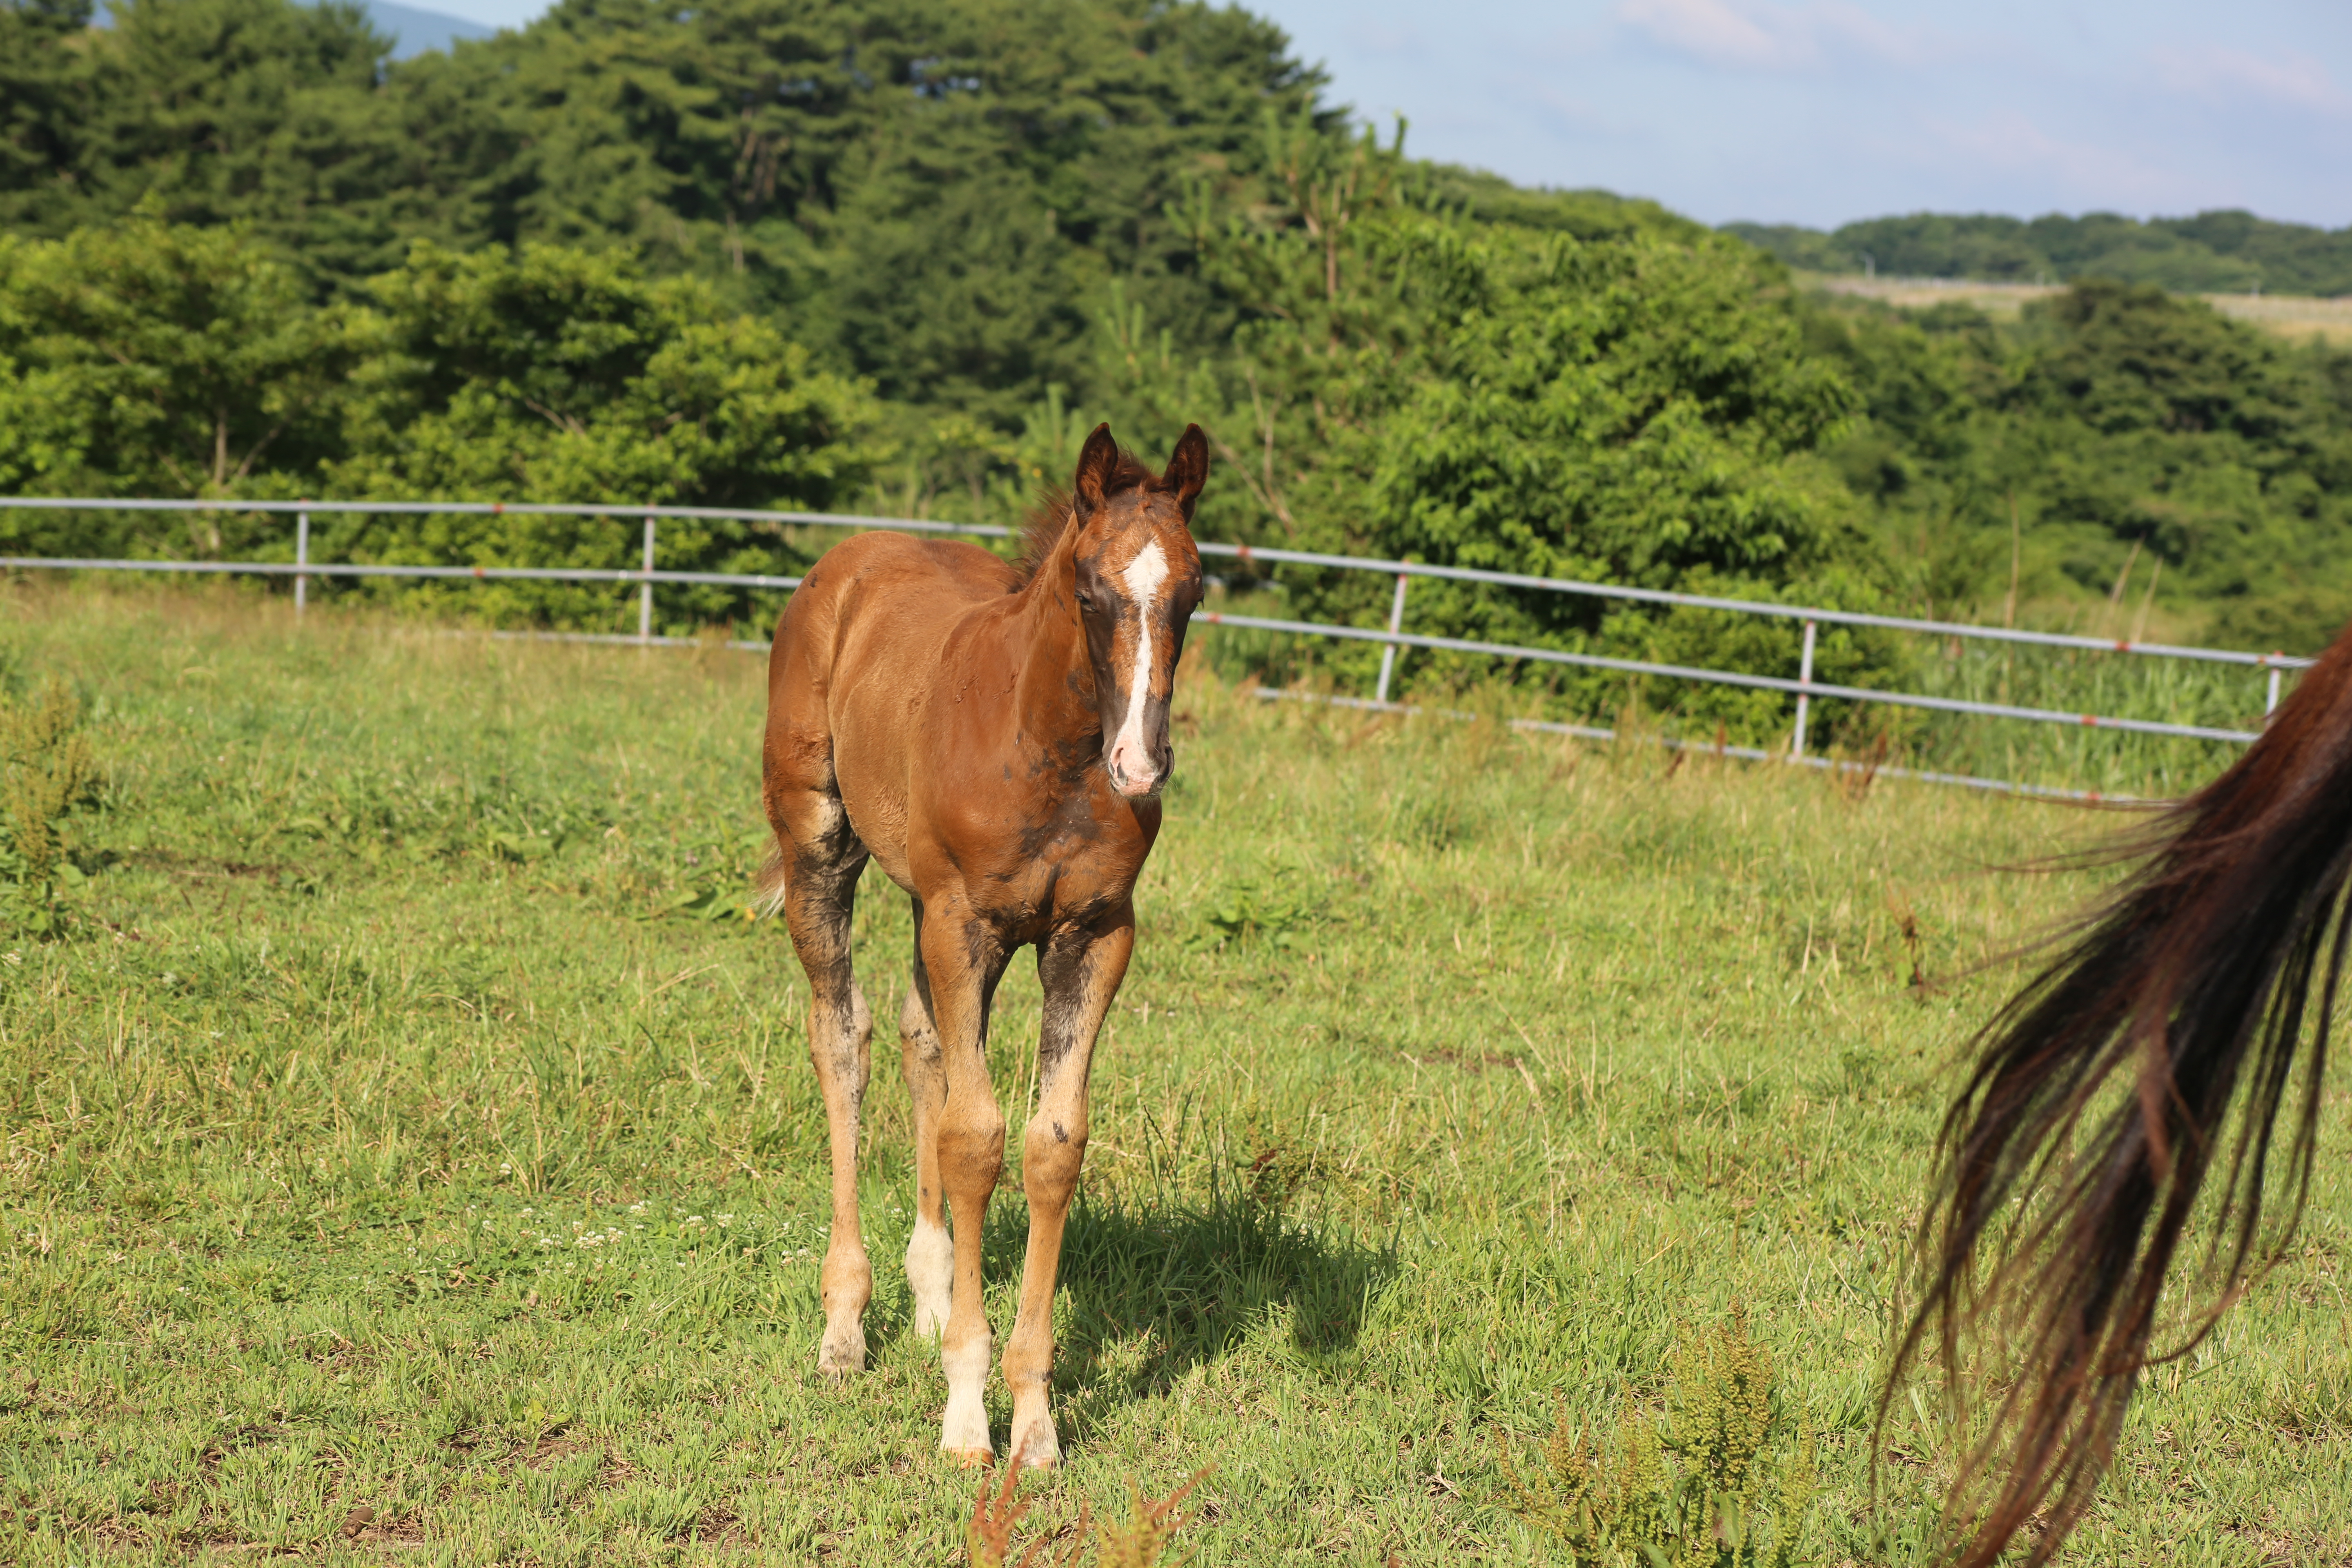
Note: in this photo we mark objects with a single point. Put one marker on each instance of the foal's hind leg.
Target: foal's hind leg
(930, 1256)
(824, 860)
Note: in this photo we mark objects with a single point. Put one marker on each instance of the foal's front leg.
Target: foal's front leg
(962, 961)
(1080, 971)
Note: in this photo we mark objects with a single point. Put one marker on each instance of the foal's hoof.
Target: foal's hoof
(1034, 1446)
(842, 1352)
(964, 1427)
(970, 1458)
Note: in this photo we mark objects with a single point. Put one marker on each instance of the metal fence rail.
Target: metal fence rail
(1804, 688)
(1707, 748)
(1251, 552)
(1248, 555)
(627, 574)
(497, 509)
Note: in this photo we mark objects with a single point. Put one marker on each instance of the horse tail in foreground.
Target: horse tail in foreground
(2098, 1106)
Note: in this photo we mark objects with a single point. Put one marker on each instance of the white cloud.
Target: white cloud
(1756, 35)
(2235, 76)
(1715, 31)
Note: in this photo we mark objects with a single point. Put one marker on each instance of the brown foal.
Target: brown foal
(997, 738)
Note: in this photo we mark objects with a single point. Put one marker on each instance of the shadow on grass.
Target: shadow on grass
(1155, 1290)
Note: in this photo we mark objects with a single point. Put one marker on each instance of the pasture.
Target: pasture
(411, 1154)
(2299, 316)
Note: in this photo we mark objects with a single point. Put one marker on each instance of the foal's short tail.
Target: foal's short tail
(768, 887)
(2210, 970)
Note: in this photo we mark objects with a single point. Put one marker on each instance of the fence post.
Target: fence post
(302, 558)
(646, 591)
(1389, 650)
(1804, 698)
(2269, 703)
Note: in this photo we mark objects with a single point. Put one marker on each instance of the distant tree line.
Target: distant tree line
(2117, 438)
(2223, 252)
(901, 253)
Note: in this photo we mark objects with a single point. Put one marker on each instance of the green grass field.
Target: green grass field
(410, 1153)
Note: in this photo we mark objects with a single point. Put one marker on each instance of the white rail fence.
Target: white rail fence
(1804, 688)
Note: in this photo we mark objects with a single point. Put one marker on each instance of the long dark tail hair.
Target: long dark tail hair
(2058, 1209)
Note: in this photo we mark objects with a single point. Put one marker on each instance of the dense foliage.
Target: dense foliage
(547, 374)
(900, 254)
(161, 360)
(928, 187)
(156, 359)
(1634, 404)
(2115, 441)
(2214, 252)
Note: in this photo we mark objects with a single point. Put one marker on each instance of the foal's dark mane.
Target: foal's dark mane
(1043, 529)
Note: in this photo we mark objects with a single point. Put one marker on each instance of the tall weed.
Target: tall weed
(1142, 1541)
(1725, 1480)
(47, 770)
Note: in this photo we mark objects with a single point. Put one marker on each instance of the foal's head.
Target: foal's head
(1138, 582)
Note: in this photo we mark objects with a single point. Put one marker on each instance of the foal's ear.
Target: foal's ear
(1096, 461)
(1188, 470)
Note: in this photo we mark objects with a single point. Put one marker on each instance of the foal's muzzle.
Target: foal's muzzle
(1137, 772)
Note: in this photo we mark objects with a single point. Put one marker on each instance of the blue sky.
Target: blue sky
(1819, 112)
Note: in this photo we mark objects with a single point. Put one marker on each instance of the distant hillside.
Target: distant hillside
(2212, 253)
(413, 31)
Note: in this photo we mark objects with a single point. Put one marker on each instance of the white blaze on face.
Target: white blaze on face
(1131, 760)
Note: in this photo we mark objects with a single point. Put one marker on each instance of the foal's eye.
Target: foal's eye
(1085, 603)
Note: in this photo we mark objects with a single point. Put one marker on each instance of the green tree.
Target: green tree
(1628, 411)
(162, 359)
(2120, 431)
(931, 191)
(155, 359)
(279, 117)
(1410, 381)
(45, 102)
(550, 375)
